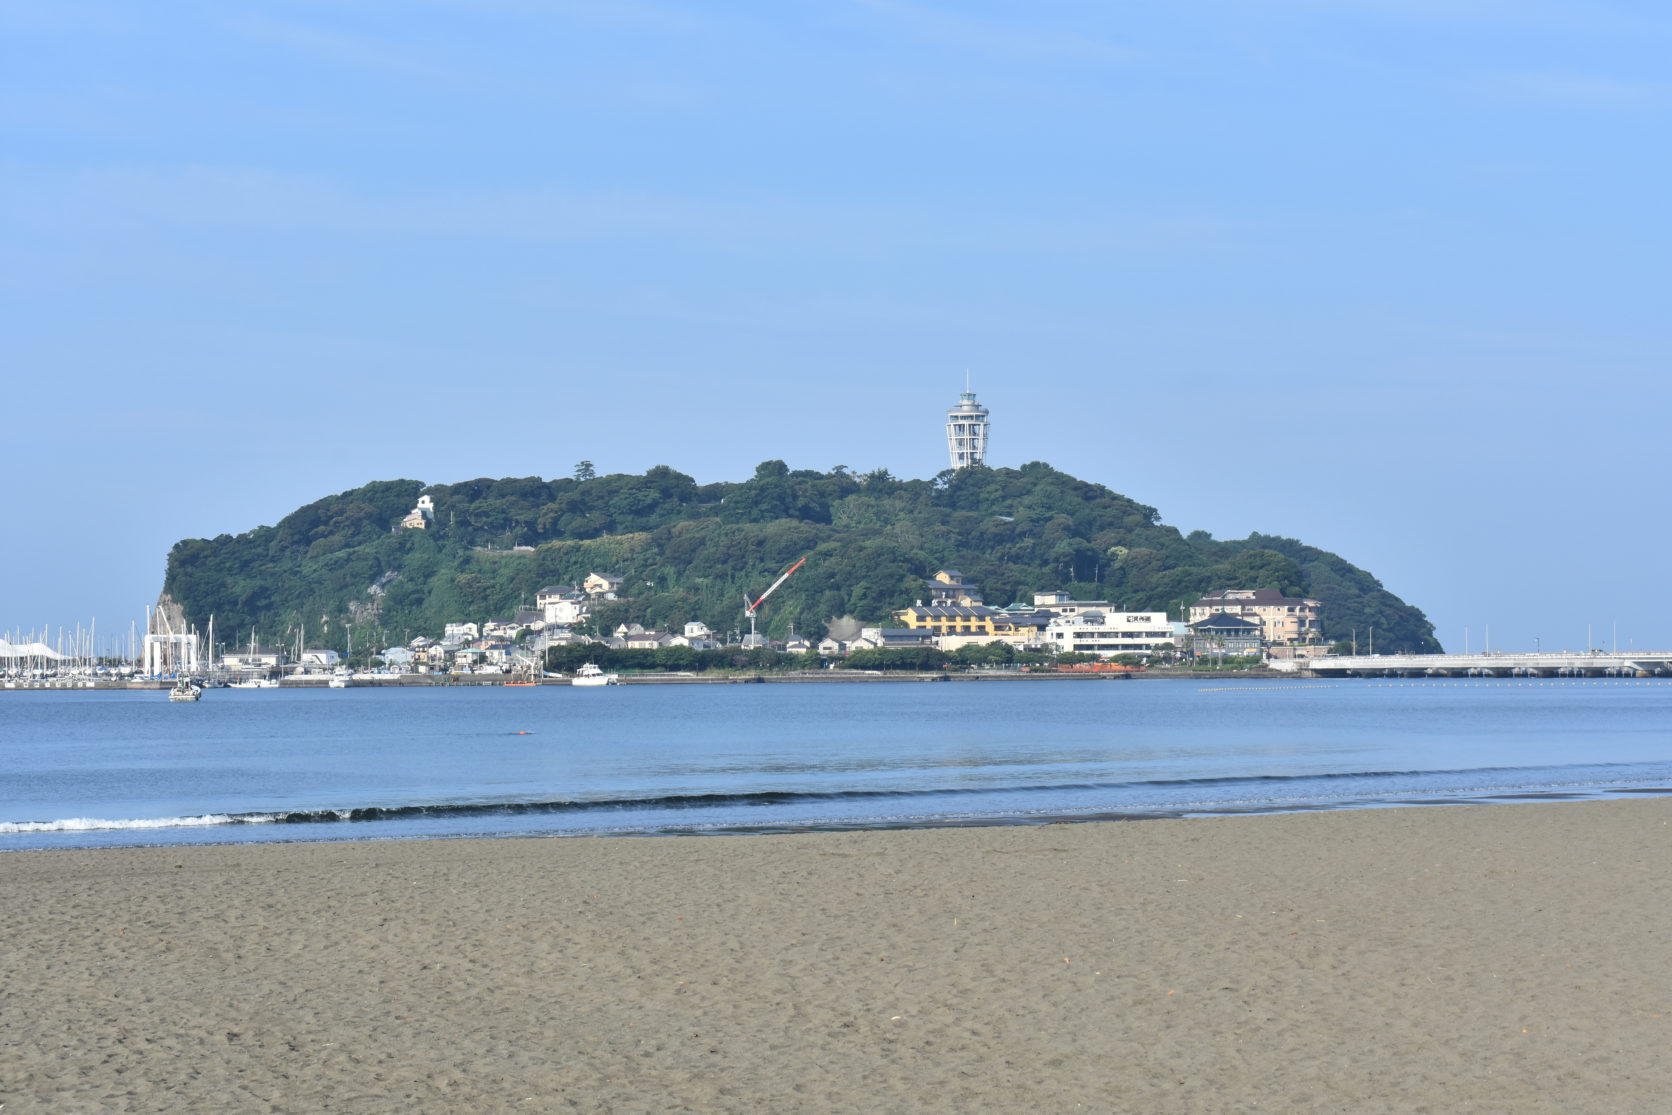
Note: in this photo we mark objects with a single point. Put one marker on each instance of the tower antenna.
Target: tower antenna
(967, 427)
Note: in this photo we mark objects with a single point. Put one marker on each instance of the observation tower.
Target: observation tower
(966, 430)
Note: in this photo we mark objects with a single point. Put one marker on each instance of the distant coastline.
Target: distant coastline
(810, 677)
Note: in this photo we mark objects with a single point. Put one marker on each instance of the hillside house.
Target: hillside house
(419, 517)
(565, 604)
(947, 588)
(606, 585)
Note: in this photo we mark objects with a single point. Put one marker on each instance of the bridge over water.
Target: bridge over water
(1548, 664)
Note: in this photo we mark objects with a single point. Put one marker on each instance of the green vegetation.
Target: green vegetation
(691, 552)
(1229, 662)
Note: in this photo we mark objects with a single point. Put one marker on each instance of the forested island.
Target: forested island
(342, 567)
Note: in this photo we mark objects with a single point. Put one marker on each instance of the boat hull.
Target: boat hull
(591, 674)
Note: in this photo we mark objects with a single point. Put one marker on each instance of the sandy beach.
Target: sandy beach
(1496, 958)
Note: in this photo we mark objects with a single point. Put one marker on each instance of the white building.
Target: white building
(564, 612)
(460, 632)
(420, 516)
(502, 628)
(562, 604)
(1109, 633)
(1061, 604)
(257, 658)
(966, 431)
(698, 636)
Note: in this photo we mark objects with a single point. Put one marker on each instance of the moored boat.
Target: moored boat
(590, 674)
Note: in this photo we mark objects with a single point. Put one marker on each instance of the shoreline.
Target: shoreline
(1472, 958)
(841, 677)
(438, 681)
(351, 831)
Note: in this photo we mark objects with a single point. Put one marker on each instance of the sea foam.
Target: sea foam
(95, 824)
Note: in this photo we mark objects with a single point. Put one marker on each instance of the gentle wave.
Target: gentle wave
(95, 824)
(1264, 785)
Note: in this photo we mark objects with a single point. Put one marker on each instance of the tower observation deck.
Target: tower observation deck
(966, 431)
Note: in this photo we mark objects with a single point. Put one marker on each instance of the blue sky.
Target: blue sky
(1386, 275)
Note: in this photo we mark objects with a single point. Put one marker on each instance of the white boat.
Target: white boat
(340, 681)
(590, 674)
(185, 690)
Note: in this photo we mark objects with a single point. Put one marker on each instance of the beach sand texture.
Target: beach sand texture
(1510, 958)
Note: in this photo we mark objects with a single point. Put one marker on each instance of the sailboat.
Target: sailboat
(254, 682)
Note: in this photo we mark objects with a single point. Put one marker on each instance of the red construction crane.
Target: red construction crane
(750, 609)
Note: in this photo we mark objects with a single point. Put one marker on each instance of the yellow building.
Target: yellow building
(954, 625)
(949, 619)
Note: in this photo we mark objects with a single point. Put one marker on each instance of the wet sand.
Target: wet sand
(1510, 958)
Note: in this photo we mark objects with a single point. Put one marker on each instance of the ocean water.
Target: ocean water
(83, 769)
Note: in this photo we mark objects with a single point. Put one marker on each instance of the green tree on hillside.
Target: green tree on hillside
(693, 552)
